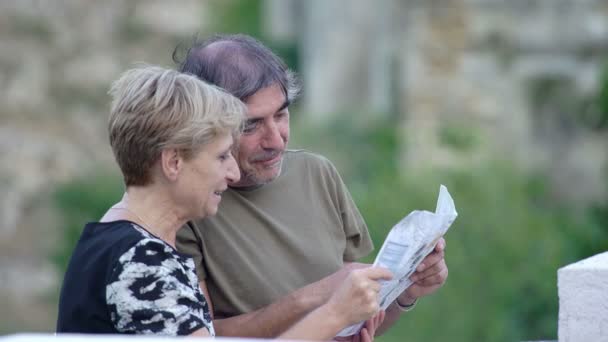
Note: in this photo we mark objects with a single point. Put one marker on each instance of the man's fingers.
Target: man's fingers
(375, 322)
(437, 279)
(440, 246)
(430, 271)
(430, 260)
(380, 318)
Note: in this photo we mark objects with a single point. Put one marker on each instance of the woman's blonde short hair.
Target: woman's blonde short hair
(154, 108)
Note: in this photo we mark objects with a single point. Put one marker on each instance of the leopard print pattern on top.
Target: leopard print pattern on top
(154, 290)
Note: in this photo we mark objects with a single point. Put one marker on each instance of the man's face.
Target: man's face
(260, 149)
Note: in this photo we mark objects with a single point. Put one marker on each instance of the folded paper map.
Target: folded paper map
(406, 245)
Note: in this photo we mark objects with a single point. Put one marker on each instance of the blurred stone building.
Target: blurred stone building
(469, 79)
(57, 60)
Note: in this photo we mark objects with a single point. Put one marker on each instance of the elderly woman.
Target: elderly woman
(172, 137)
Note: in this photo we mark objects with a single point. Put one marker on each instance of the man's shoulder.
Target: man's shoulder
(305, 157)
(304, 162)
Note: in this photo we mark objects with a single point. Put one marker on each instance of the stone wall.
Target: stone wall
(57, 59)
(469, 79)
(515, 76)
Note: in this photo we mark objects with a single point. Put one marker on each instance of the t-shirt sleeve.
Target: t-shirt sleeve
(149, 292)
(358, 241)
(189, 241)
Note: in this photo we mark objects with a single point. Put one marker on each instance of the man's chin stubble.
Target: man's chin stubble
(250, 178)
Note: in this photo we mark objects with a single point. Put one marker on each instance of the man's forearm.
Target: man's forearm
(320, 324)
(276, 318)
(272, 320)
(269, 321)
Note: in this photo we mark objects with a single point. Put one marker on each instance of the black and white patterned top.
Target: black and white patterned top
(122, 279)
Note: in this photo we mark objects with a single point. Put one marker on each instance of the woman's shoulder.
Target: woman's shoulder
(150, 250)
(99, 249)
(114, 235)
(108, 242)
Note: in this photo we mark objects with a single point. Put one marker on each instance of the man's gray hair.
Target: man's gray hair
(240, 64)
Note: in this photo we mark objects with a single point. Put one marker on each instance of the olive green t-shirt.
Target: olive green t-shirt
(270, 240)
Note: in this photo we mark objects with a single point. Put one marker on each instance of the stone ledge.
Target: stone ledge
(583, 300)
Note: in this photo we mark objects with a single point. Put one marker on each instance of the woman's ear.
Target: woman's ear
(171, 163)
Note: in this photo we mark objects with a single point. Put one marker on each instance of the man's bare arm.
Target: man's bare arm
(355, 300)
(269, 321)
(274, 319)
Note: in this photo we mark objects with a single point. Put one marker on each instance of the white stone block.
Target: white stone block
(583, 300)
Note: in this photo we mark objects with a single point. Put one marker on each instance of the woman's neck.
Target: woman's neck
(149, 209)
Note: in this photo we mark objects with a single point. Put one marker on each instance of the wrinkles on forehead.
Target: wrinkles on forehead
(266, 102)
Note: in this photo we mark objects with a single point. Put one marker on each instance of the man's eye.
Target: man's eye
(249, 127)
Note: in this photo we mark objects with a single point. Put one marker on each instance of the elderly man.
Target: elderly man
(288, 232)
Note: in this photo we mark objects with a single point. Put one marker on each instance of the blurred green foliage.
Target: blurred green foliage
(244, 16)
(458, 136)
(81, 201)
(503, 250)
(237, 16)
(602, 99)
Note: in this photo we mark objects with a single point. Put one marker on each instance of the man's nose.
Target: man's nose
(272, 137)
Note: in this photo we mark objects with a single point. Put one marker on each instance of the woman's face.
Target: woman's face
(206, 176)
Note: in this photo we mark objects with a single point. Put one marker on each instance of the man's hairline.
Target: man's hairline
(286, 101)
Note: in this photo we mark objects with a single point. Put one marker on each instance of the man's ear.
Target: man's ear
(171, 163)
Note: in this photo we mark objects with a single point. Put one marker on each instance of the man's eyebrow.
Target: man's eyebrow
(254, 120)
(284, 105)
